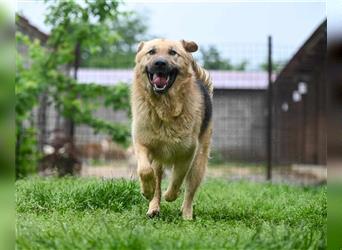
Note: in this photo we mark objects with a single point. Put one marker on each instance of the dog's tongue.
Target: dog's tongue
(159, 80)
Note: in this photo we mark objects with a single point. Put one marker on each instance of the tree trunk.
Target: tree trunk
(69, 123)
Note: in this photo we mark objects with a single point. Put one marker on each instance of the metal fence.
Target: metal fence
(245, 143)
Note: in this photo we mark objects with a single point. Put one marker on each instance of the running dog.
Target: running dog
(171, 109)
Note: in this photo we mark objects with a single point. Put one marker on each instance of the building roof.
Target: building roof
(309, 50)
(221, 79)
(27, 28)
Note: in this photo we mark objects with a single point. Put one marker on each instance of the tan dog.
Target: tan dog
(171, 108)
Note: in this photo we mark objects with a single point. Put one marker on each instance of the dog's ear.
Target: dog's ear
(189, 46)
(140, 46)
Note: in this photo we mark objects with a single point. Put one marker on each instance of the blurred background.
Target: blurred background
(75, 66)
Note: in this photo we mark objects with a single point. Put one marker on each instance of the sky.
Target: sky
(289, 23)
(334, 13)
(237, 28)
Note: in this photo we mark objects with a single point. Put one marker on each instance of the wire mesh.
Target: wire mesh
(239, 121)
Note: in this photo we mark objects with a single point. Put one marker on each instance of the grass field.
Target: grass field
(105, 214)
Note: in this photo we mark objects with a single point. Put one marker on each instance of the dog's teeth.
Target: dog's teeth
(154, 76)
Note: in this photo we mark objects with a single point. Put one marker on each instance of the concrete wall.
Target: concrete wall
(85, 134)
(240, 124)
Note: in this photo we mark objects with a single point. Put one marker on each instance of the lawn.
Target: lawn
(106, 214)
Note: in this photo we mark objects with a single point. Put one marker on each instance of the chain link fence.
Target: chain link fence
(240, 111)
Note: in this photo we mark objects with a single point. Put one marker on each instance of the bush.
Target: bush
(26, 152)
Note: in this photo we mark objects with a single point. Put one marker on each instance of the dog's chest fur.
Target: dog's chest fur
(170, 133)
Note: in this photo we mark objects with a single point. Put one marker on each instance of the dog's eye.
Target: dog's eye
(151, 52)
(172, 52)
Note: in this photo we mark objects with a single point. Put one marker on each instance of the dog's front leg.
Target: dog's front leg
(145, 171)
(154, 206)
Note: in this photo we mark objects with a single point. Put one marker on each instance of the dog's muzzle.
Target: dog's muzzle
(161, 76)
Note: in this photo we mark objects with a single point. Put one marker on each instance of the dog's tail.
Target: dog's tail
(204, 76)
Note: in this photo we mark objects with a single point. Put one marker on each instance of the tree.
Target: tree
(125, 33)
(212, 59)
(276, 66)
(75, 27)
(241, 66)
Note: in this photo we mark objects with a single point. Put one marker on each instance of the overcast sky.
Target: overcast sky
(222, 23)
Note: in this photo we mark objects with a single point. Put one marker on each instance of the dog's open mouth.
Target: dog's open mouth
(162, 81)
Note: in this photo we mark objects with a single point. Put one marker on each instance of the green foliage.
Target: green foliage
(74, 24)
(76, 27)
(27, 153)
(277, 66)
(28, 85)
(73, 100)
(125, 33)
(106, 214)
(212, 59)
(81, 100)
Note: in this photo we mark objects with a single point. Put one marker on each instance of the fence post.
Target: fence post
(269, 111)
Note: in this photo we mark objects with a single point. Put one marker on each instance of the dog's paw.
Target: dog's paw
(187, 214)
(170, 195)
(153, 207)
(153, 212)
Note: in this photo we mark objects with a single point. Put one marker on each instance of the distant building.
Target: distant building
(300, 104)
(23, 25)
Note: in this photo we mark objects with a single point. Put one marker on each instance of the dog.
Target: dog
(171, 103)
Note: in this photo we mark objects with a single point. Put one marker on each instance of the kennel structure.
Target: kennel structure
(299, 124)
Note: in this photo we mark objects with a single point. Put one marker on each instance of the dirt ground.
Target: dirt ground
(296, 174)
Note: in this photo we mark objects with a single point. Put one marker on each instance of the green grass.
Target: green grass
(103, 214)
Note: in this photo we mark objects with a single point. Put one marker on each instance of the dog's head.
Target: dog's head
(164, 62)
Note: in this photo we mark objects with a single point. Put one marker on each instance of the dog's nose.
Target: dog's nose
(160, 63)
